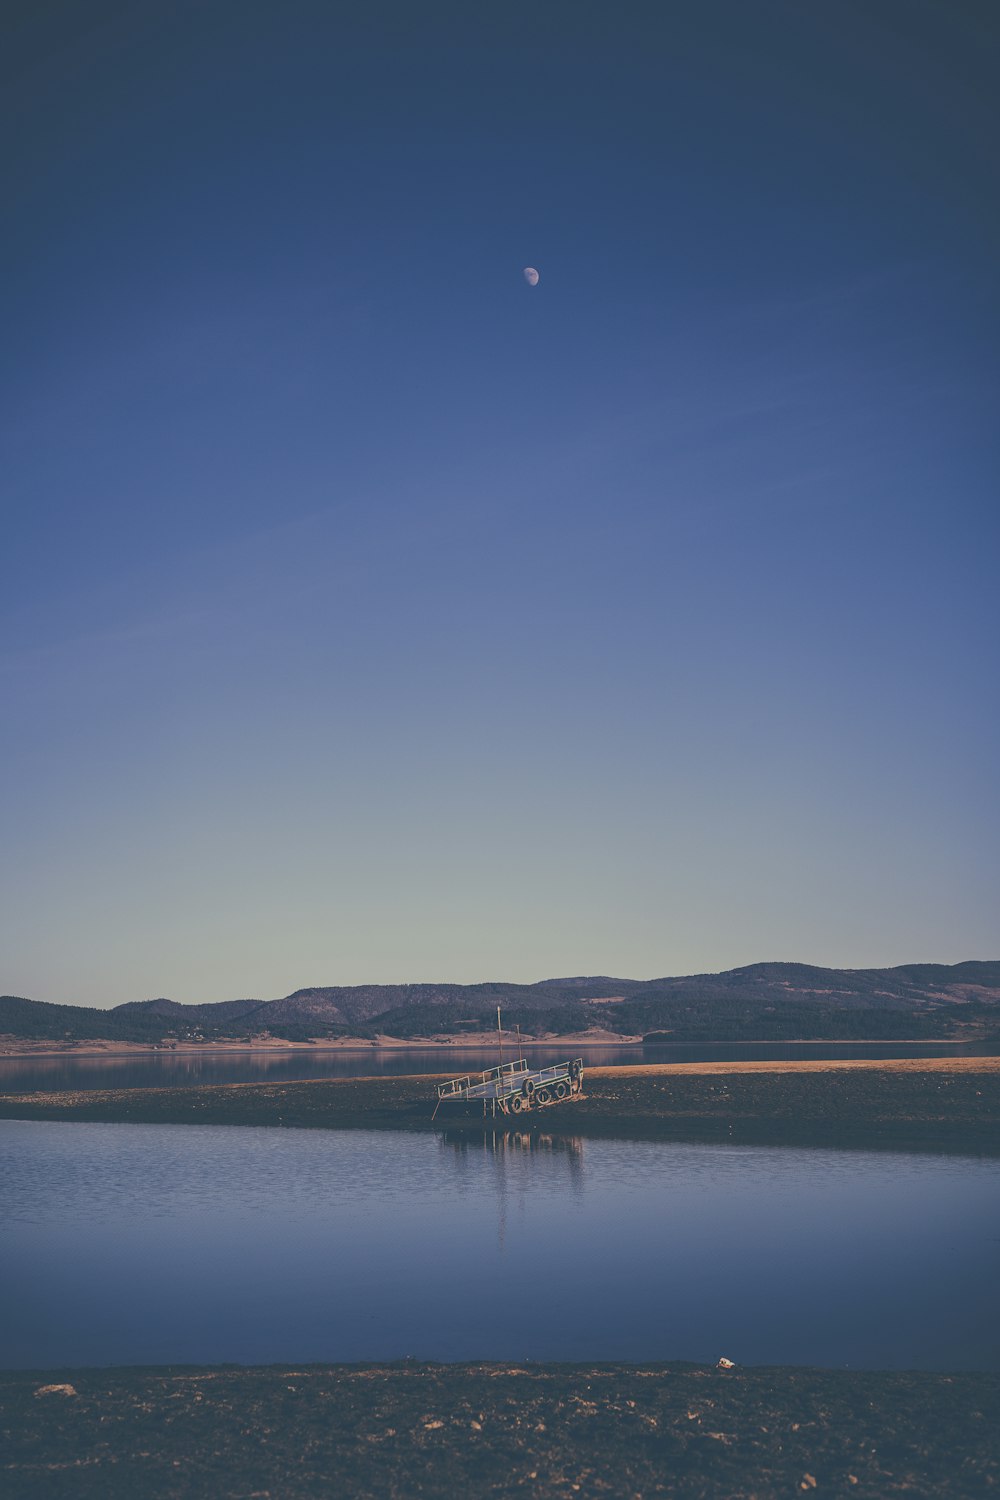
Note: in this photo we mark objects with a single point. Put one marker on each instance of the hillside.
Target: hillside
(35, 1020)
(765, 1001)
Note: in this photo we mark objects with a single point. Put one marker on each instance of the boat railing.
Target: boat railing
(509, 1075)
(511, 1078)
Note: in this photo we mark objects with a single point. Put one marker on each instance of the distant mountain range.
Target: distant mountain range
(768, 1001)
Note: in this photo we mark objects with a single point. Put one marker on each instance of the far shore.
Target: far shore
(472, 1042)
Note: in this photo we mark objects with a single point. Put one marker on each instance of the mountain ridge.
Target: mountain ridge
(765, 999)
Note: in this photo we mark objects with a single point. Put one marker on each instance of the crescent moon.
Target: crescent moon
(531, 275)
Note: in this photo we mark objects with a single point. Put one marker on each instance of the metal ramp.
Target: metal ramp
(513, 1088)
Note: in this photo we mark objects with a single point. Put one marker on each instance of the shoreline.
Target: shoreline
(97, 1048)
(14, 1048)
(949, 1105)
(305, 1432)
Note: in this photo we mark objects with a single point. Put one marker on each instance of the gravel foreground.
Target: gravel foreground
(294, 1433)
(923, 1104)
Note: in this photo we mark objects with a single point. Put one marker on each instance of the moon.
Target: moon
(531, 275)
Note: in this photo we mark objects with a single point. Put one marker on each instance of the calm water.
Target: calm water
(157, 1244)
(163, 1069)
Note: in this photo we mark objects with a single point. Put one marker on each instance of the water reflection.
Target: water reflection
(184, 1244)
(168, 1069)
(506, 1156)
(180, 1069)
(806, 1051)
(499, 1143)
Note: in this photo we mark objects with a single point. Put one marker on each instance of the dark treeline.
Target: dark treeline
(38, 1021)
(724, 1020)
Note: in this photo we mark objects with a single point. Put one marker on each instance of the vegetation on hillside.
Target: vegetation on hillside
(761, 1002)
(36, 1020)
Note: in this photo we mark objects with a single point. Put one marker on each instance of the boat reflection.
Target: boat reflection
(511, 1157)
(502, 1142)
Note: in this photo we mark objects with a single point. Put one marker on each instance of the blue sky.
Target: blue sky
(369, 615)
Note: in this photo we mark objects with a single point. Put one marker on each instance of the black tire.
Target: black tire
(561, 1090)
(528, 1087)
(517, 1103)
(543, 1096)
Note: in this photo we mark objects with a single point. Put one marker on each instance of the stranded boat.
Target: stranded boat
(513, 1088)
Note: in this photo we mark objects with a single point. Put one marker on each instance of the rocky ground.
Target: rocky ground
(494, 1430)
(925, 1104)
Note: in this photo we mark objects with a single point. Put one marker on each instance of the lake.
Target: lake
(182, 1069)
(125, 1244)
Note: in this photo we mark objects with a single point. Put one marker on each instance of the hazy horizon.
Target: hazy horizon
(369, 612)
